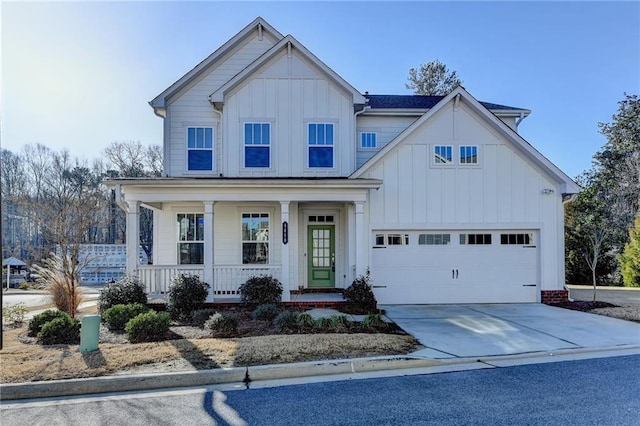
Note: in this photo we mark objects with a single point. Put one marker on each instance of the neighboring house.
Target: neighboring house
(274, 164)
(101, 263)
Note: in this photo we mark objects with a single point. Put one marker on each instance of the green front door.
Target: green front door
(321, 255)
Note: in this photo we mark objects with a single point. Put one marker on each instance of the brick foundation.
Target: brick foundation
(550, 297)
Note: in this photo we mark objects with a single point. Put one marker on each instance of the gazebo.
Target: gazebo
(14, 266)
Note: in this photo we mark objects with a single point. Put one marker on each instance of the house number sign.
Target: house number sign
(285, 232)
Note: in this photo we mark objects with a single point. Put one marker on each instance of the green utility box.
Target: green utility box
(89, 333)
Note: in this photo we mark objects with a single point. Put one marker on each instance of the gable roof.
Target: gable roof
(567, 184)
(217, 97)
(422, 102)
(160, 100)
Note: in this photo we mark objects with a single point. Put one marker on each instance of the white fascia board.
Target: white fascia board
(236, 183)
(160, 100)
(217, 97)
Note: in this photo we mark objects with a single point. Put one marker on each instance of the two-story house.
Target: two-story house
(274, 164)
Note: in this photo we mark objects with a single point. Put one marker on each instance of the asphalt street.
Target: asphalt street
(604, 391)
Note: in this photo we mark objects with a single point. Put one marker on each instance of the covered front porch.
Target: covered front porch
(308, 233)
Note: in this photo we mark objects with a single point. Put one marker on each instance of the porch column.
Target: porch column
(360, 239)
(133, 236)
(285, 274)
(208, 248)
(351, 232)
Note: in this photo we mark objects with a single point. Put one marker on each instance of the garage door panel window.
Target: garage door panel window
(434, 239)
(475, 239)
(392, 239)
(516, 239)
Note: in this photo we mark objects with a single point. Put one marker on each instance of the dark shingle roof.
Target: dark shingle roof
(418, 102)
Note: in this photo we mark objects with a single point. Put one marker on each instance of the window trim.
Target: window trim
(332, 145)
(245, 146)
(188, 149)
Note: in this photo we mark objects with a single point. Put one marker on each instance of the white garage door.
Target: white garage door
(455, 267)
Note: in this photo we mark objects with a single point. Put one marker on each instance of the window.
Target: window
(516, 239)
(190, 238)
(199, 148)
(255, 238)
(392, 239)
(443, 154)
(477, 239)
(434, 239)
(368, 140)
(320, 141)
(257, 142)
(321, 219)
(468, 154)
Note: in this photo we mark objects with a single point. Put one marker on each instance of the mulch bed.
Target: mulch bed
(584, 306)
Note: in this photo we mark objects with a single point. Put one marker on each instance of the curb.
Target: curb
(142, 382)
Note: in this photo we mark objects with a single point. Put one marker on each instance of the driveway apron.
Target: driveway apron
(469, 330)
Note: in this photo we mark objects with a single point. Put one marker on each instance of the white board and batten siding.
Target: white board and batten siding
(191, 107)
(289, 93)
(386, 129)
(503, 192)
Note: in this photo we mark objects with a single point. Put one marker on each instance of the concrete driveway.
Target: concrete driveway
(451, 331)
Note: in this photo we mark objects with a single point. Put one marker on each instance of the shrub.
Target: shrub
(226, 324)
(14, 314)
(148, 327)
(305, 321)
(200, 316)
(334, 323)
(125, 291)
(117, 316)
(24, 285)
(186, 295)
(287, 321)
(374, 322)
(36, 323)
(266, 312)
(360, 296)
(260, 290)
(63, 330)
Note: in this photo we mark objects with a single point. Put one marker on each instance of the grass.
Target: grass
(24, 362)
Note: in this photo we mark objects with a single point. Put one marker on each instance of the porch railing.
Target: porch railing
(156, 278)
(227, 279)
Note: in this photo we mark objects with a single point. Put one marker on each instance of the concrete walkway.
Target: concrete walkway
(474, 330)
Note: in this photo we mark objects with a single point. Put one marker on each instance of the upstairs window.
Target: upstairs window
(468, 154)
(257, 144)
(443, 154)
(368, 140)
(255, 238)
(190, 238)
(320, 144)
(199, 148)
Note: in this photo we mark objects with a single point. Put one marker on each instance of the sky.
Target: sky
(79, 75)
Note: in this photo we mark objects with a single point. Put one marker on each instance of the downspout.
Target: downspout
(120, 199)
(355, 130)
(214, 109)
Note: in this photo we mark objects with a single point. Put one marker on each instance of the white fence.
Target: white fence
(227, 279)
